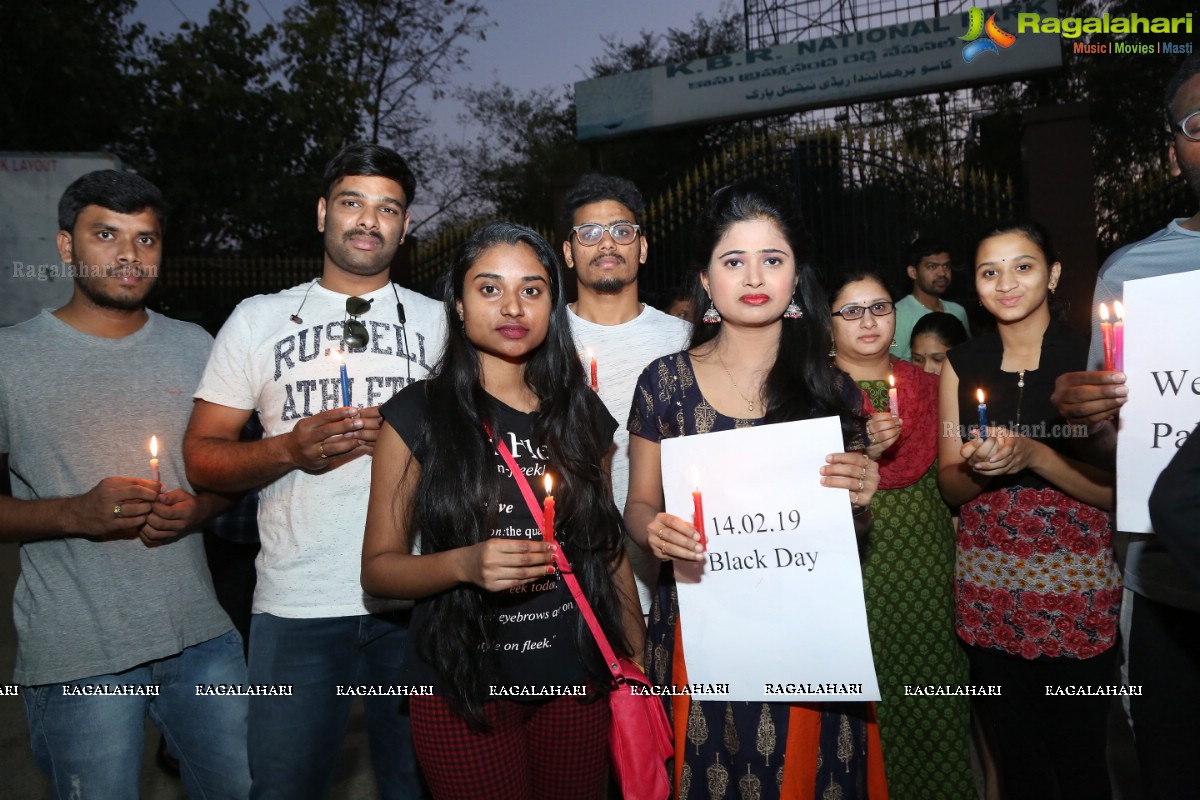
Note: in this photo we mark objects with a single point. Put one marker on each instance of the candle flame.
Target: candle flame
(696, 478)
(154, 447)
(1119, 310)
(337, 355)
(1104, 312)
(549, 485)
(979, 394)
(591, 354)
(892, 381)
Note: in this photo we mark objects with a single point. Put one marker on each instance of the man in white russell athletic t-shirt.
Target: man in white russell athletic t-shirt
(282, 355)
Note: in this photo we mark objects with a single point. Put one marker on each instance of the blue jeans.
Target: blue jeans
(296, 741)
(91, 745)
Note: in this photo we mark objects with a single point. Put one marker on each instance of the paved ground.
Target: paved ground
(23, 781)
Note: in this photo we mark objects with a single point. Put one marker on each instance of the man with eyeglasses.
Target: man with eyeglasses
(929, 267)
(114, 608)
(615, 333)
(1163, 602)
(316, 361)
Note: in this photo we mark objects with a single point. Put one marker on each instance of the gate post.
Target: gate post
(1060, 192)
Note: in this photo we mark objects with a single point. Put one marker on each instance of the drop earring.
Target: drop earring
(833, 350)
(793, 311)
(711, 316)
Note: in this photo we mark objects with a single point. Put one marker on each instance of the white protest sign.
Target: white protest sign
(1162, 370)
(776, 610)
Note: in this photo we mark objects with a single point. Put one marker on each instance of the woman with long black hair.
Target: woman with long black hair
(758, 356)
(495, 631)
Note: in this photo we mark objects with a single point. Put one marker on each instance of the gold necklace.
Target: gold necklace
(750, 404)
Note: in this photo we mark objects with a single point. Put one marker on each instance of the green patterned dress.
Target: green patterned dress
(907, 580)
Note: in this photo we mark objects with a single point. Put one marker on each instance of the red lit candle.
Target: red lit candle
(1119, 337)
(698, 509)
(595, 379)
(154, 475)
(1106, 334)
(893, 400)
(548, 512)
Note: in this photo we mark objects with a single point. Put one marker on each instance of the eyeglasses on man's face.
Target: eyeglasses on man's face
(1189, 126)
(589, 234)
(354, 333)
(852, 313)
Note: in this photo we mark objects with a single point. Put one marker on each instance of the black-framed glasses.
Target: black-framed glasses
(354, 333)
(851, 313)
(1189, 126)
(589, 234)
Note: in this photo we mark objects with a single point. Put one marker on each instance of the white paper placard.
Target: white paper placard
(776, 610)
(1162, 371)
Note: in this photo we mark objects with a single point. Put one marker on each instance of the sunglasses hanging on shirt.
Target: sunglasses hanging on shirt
(354, 333)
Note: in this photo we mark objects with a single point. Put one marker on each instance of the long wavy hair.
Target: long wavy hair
(801, 383)
(459, 487)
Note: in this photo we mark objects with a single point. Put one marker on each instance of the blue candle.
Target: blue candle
(346, 386)
(982, 415)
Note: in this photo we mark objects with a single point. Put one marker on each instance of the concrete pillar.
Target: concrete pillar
(1056, 156)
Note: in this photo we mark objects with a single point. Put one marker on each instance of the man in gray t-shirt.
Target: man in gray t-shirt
(931, 270)
(114, 608)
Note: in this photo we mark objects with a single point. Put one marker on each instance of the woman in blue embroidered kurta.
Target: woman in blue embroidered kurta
(765, 361)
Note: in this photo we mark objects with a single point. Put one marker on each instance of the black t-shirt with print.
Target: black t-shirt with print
(536, 623)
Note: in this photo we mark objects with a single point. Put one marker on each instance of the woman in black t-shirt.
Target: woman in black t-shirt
(517, 709)
(1037, 592)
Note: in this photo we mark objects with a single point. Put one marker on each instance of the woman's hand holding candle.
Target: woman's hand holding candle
(500, 564)
(883, 431)
(1002, 453)
(671, 537)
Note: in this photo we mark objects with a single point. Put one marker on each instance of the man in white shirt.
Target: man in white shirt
(617, 336)
(317, 382)
(1162, 596)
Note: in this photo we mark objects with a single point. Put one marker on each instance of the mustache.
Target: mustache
(617, 256)
(351, 234)
(141, 271)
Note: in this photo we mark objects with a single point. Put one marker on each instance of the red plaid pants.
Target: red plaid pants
(552, 750)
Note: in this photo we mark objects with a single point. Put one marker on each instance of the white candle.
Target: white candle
(154, 476)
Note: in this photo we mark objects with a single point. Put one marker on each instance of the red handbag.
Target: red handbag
(640, 740)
